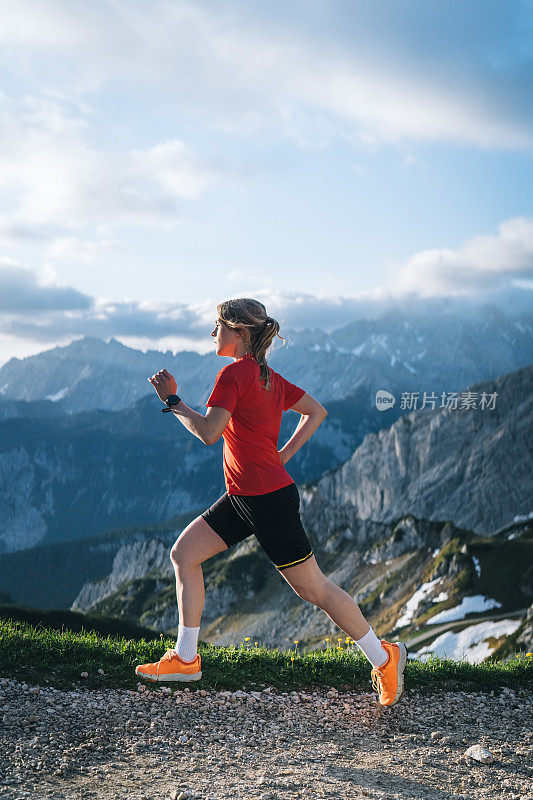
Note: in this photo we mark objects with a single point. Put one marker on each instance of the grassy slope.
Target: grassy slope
(51, 657)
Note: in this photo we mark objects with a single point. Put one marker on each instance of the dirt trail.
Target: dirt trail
(150, 744)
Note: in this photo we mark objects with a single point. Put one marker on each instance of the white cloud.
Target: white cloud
(34, 308)
(35, 317)
(173, 168)
(75, 249)
(481, 263)
(245, 76)
(59, 183)
(13, 234)
(48, 275)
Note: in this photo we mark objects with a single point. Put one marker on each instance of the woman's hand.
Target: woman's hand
(282, 457)
(164, 384)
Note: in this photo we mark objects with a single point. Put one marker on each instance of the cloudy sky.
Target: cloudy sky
(332, 158)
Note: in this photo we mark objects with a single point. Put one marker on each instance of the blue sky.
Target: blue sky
(329, 158)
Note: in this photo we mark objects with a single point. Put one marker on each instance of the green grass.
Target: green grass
(77, 621)
(56, 658)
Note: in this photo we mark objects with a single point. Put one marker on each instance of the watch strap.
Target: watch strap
(171, 405)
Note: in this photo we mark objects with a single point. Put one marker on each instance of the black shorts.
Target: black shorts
(273, 517)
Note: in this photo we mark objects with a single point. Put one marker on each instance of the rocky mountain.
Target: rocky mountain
(397, 352)
(75, 476)
(471, 465)
(91, 374)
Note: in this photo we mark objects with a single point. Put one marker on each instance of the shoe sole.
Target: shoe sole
(401, 667)
(176, 676)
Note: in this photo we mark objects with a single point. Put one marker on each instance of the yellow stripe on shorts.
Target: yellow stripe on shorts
(291, 563)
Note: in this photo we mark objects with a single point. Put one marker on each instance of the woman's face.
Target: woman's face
(226, 339)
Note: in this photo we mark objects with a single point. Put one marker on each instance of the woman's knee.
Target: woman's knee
(196, 543)
(175, 553)
(181, 554)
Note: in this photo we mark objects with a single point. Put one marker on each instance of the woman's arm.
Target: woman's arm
(208, 429)
(313, 413)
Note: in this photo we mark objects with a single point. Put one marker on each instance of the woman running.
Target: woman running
(261, 498)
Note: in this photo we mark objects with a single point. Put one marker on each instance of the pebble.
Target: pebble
(479, 753)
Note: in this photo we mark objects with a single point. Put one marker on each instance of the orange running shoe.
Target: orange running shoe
(171, 668)
(387, 680)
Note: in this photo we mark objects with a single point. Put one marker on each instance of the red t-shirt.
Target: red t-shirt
(250, 454)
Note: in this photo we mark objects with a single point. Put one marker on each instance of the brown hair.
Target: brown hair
(258, 328)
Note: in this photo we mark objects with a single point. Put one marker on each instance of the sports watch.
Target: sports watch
(172, 400)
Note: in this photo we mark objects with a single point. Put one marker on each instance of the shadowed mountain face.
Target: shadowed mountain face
(472, 466)
(80, 475)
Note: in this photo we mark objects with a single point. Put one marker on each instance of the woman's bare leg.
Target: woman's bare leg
(197, 542)
(309, 583)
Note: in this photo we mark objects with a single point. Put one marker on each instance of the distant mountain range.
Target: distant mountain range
(396, 352)
(70, 473)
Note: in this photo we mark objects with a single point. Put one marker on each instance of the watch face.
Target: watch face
(172, 399)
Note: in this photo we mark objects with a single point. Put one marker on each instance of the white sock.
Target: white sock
(187, 642)
(372, 648)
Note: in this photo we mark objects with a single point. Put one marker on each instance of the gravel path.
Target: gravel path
(151, 744)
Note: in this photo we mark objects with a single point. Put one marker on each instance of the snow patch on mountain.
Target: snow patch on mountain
(412, 605)
(475, 604)
(470, 644)
(58, 395)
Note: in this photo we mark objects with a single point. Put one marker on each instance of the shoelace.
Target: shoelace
(376, 680)
(168, 655)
